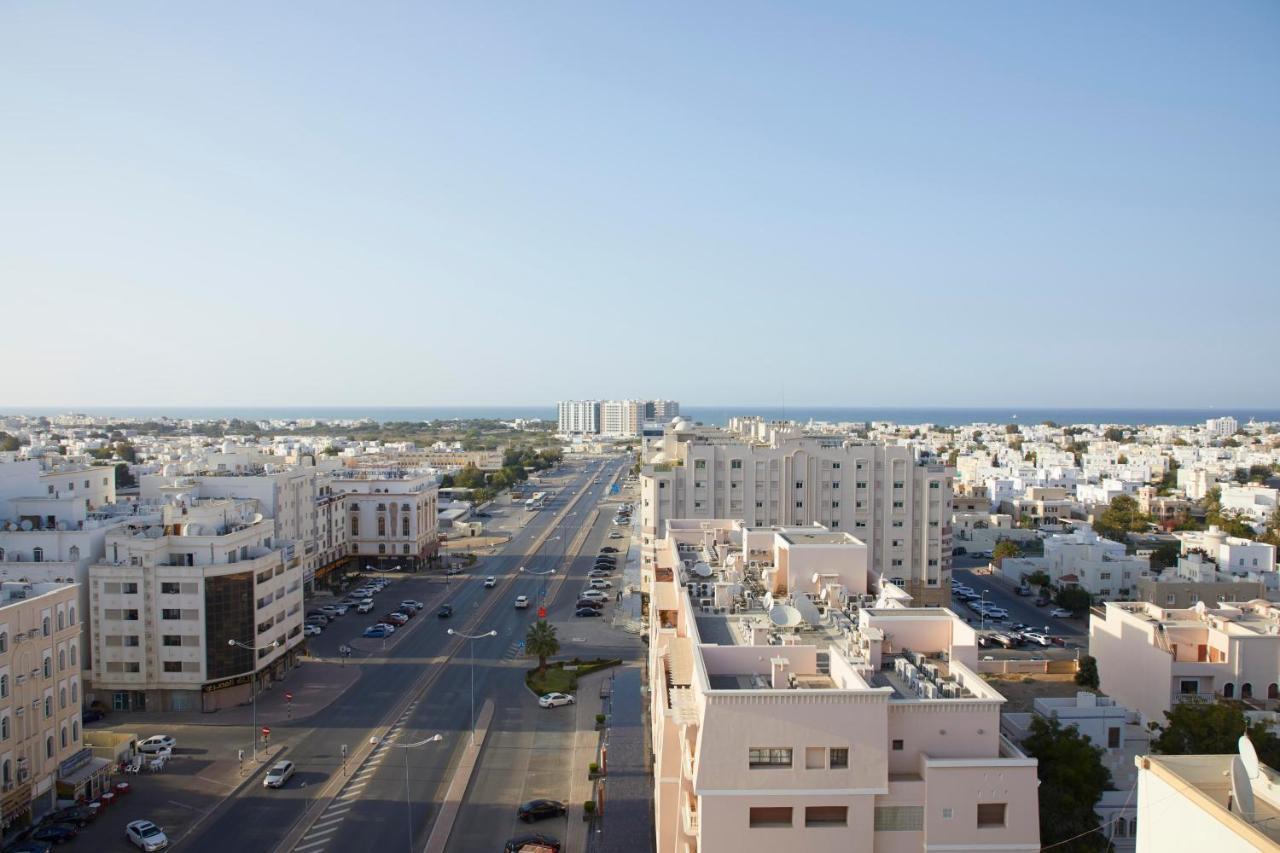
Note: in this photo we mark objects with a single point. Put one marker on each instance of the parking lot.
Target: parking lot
(1067, 632)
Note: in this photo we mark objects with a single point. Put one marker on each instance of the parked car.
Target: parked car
(331, 611)
(594, 594)
(278, 774)
(540, 810)
(1042, 602)
(536, 843)
(415, 604)
(396, 618)
(555, 700)
(91, 715)
(454, 570)
(608, 549)
(958, 551)
(490, 582)
(155, 743)
(311, 630)
(522, 602)
(1037, 638)
(146, 836)
(377, 631)
(29, 846)
(79, 815)
(1061, 613)
(365, 606)
(615, 535)
(588, 611)
(589, 602)
(318, 619)
(599, 583)
(54, 833)
(445, 611)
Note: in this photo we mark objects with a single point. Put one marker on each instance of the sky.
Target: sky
(1056, 204)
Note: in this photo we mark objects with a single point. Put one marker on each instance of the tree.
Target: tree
(1072, 779)
(1073, 598)
(9, 442)
(1087, 674)
(541, 640)
(1038, 578)
(1114, 434)
(1212, 728)
(124, 480)
(1120, 517)
(1004, 548)
(1165, 555)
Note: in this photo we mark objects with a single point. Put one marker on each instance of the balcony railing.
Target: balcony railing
(689, 813)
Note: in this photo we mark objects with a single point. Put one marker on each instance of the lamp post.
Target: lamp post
(982, 610)
(253, 686)
(543, 593)
(408, 802)
(472, 639)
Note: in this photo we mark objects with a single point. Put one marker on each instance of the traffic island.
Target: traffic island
(562, 676)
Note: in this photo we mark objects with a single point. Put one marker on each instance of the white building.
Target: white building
(1232, 553)
(578, 417)
(621, 418)
(1083, 558)
(1222, 427)
(168, 599)
(391, 515)
(1255, 503)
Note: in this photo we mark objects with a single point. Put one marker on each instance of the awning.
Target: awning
(84, 774)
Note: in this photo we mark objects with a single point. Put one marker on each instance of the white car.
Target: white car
(155, 743)
(615, 535)
(1036, 637)
(146, 836)
(522, 602)
(600, 583)
(490, 581)
(278, 774)
(553, 700)
(593, 595)
(1060, 613)
(311, 630)
(364, 606)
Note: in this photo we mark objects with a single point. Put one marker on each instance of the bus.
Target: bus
(537, 502)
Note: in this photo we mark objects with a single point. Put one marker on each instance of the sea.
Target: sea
(709, 415)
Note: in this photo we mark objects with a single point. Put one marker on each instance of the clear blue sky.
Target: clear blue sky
(822, 203)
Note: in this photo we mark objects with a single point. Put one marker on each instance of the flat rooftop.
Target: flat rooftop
(816, 538)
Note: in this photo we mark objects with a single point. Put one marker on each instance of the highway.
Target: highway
(377, 817)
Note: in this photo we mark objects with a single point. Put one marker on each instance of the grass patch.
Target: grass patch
(557, 679)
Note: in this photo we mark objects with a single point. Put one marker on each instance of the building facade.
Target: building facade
(578, 417)
(391, 515)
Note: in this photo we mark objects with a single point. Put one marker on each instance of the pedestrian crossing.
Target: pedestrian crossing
(513, 651)
(330, 821)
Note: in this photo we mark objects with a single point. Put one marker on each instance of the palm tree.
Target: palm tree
(541, 641)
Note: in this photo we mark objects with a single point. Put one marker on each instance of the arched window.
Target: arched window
(62, 697)
(73, 553)
(62, 620)
(6, 770)
(75, 730)
(37, 554)
(355, 525)
(73, 654)
(75, 692)
(1119, 831)
(62, 659)
(1228, 690)
(1246, 690)
(48, 747)
(71, 615)
(44, 625)
(382, 526)
(4, 728)
(1273, 691)
(4, 641)
(48, 667)
(4, 686)
(48, 706)
(64, 737)
(405, 525)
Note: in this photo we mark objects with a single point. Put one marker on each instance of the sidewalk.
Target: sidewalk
(586, 749)
(627, 822)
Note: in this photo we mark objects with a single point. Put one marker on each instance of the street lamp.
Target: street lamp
(453, 633)
(253, 686)
(408, 802)
(551, 571)
(982, 610)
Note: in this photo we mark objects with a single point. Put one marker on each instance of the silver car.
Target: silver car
(278, 774)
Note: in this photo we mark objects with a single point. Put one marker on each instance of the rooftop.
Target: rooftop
(1207, 780)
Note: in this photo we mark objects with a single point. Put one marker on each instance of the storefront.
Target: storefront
(15, 807)
(81, 778)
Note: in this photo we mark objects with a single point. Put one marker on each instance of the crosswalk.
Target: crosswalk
(513, 651)
(321, 832)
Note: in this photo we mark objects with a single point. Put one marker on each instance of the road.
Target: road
(1021, 608)
(378, 817)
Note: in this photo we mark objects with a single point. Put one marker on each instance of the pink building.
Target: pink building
(1151, 657)
(815, 725)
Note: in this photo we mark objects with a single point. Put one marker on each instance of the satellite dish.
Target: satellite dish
(1200, 607)
(1249, 757)
(701, 569)
(26, 524)
(785, 616)
(1241, 790)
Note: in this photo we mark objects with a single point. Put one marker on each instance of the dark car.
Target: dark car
(445, 611)
(587, 611)
(79, 815)
(91, 715)
(589, 602)
(54, 833)
(29, 847)
(959, 551)
(608, 549)
(518, 843)
(540, 810)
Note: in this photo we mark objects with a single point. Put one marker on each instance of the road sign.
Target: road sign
(266, 732)
(288, 697)
(542, 611)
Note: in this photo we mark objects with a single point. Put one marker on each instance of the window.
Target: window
(897, 745)
(769, 757)
(4, 727)
(48, 667)
(404, 527)
(44, 626)
(897, 484)
(170, 588)
(64, 737)
(382, 526)
(897, 504)
(934, 485)
(836, 484)
(62, 659)
(1113, 737)
(990, 815)
(355, 525)
(75, 692)
(699, 464)
(129, 588)
(48, 707)
(4, 641)
(382, 549)
(170, 613)
(735, 464)
(4, 686)
(73, 655)
(770, 816)
(173, 666)
(71, 616)
(898, 523)
(75, 730)
(899, 819)
(839, 758)
(826, 815)
(62, 620)
(48, 747)
(37, 555)
(172, 640)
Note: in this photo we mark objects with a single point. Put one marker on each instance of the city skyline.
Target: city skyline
(481, 181)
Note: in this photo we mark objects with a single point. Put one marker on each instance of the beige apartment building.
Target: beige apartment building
(391, 515)
(41, 748)
(1151, 657)
(168, 598)
(817, 725)
(899, 507)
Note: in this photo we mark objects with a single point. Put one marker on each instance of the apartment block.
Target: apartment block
(578, 417)
(41, 742)
(391, 515)
(898, 506)
(1231, 553)
(621, 418)
(1151, 657)
(169, 598)
(1197, 579)
(818, 725)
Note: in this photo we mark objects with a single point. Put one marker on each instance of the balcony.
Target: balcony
(689, 816)
(1192, 698)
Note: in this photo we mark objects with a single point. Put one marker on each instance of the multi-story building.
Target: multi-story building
(391, 515)
(578, 417)
(1163, 509)
(818, 726)
(1086, 560)
(168, 600)
(660, 410)
(1152, 657)
(331, 533)
(1196, 579)
(40, 737)
(1231, 553)
(1222, 427)
(1255, 503)
(621, 418)
(898, 506)
(1190, 802)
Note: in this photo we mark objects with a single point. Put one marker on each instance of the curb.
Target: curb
(230, 797)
